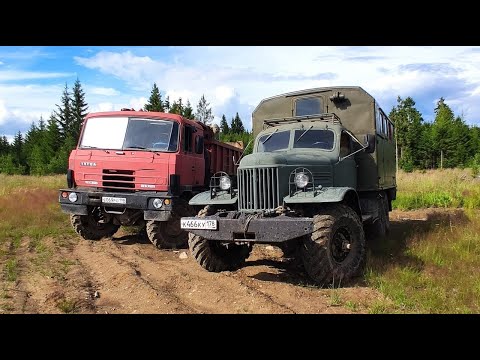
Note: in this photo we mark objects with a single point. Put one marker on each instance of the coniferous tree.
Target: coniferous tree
(188, 111)
(237, 125)
(79, 110)
(408, 125)
(18, 153)
(177, 107)
(224, 128)
(204, 112)
(442, 130)
(4, 145)
(155, 102)
(64, 114)
(52, 139)
(166, 104)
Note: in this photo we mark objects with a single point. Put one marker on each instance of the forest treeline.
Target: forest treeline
(46, 146)
(44, 149)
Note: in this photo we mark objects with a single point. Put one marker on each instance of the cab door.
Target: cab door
(187, 162)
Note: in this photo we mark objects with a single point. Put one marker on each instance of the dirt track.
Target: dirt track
(125, 275)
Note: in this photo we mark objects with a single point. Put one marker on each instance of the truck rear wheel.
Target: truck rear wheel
(213, 255)
(335, 251)
(93, 225)
(168, 234)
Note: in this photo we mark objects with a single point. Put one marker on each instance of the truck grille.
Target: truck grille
(118, 180)
(258, 189)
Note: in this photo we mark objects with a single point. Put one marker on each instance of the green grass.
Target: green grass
(11, 270)
(433, 269)
(14, 183)
(66, 306)
(335, 298)
(351, 305)
(448, 188)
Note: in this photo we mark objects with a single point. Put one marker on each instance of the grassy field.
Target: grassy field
(32, 228)
(448, 188)
(429, 263)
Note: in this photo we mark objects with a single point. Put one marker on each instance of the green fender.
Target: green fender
(204, 199)
(325, 195)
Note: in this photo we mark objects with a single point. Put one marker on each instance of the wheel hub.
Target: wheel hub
(341, 245)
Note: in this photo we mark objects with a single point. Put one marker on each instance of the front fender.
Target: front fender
(205, 198)
(325, 195)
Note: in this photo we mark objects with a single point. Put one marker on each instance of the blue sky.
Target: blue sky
(232, 78)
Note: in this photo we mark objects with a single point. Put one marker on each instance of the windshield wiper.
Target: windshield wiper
(269, 136)
(304, 133)
(88, 147)
(136, 147)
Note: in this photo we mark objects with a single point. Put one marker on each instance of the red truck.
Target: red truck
(138, 168)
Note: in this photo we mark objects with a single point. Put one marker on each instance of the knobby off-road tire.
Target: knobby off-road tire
(335, 251)
(168, 234)
(381, 227)
(213, 255)
(91, 227)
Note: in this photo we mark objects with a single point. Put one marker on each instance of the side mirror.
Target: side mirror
(370, 141)
(199, 145)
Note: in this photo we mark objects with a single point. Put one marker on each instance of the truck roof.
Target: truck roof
(146, 114)
(313, 91)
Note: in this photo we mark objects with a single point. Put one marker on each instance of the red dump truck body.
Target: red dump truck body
(131, 167)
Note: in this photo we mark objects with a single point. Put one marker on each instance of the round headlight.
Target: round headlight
(72, 197)
(225, 183)
(157, 203)
(301, 180)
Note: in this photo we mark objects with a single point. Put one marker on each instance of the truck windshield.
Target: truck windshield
(314, 139)
(122, 133)
(274, 141)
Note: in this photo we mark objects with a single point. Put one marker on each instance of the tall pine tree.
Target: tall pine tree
(204, 112)
(188, 111)
(237, 125)
(442, 129)
(79, 110)
(224, 128)
(408, 126)
(155, 102)
(64, 114)
(177, 107)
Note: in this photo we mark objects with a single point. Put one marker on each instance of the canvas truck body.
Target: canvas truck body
(135, 167)
(324, 154)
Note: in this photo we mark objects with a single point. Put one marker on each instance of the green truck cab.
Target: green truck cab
(321, 175)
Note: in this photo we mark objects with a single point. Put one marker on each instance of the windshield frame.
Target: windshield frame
(130, 120)
(291, 140)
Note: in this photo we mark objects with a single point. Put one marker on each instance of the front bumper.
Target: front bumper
(262, 230)
(137, 201)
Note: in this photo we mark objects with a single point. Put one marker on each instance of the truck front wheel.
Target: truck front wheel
(93, 226)
(168, 234)
(215, 256)
(335, 251)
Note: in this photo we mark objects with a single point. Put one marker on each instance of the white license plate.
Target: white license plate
(113, 200)
(199, 224)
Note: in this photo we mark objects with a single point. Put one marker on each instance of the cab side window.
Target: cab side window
(188, 138)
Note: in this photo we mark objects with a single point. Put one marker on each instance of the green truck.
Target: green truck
(321, 176)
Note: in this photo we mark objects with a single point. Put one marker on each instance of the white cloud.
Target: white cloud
(15, 75)
(223, 93)
(104, 106)
(3, 111)
(102, 91)
(136, 103)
